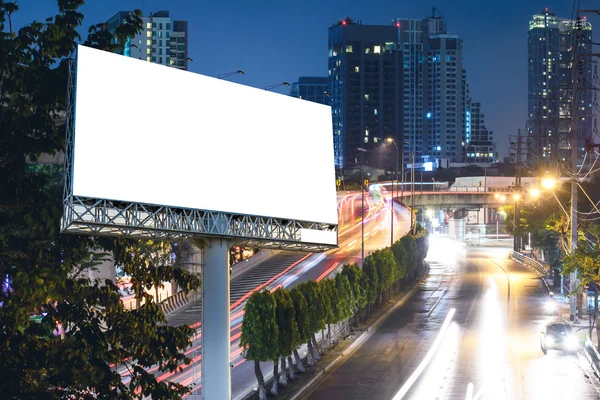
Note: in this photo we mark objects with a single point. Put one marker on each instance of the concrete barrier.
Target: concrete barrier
(175, 302)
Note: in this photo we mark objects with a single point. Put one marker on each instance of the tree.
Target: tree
(586, 261)
(401, 257)
(334, 305)
(288, 335)
(43, 267)
(347, 300)
(302, 321)
(387, 273)
(317, 312)
(149, 264)
(355, 278)
(372, 281)
(260, 333)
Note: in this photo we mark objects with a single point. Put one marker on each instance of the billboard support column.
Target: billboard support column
(216, 369)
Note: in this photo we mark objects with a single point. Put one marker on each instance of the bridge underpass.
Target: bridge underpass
(461, 209)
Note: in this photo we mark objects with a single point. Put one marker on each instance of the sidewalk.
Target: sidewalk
(581, 324)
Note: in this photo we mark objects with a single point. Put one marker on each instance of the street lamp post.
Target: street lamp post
(227, 74)
(391, 140)
(270, 87)
(362, 209)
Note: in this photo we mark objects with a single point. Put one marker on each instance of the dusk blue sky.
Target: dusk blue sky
(275, 41)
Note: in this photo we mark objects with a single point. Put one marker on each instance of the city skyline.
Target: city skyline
(273, 43)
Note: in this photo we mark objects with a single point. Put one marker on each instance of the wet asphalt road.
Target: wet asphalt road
(470, 332)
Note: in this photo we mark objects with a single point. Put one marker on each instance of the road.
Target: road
(470, 332)
(288, 269)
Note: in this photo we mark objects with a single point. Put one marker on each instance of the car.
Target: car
(559, 336)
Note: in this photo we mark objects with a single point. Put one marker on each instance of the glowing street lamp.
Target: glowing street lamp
(535, 193)
(516, 197)
(503, 198)
(548, 183)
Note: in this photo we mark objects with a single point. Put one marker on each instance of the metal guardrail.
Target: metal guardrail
(530, 262)
(592, 355)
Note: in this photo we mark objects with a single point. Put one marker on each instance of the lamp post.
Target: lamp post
(227, 74)
(516, 198)
(270, 87)
(362, 209)
(391, 140)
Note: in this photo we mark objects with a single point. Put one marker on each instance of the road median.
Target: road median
(306, 382)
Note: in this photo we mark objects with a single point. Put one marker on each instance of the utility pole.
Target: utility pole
(517, 146)
(412, 192)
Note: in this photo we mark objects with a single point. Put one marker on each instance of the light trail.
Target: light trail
(415, 375)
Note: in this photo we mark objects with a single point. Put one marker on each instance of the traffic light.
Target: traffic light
(366, 183)
(338, 182)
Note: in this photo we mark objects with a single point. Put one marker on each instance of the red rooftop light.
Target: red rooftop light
(398, 24)
(343, 22)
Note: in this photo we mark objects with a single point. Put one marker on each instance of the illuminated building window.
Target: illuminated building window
(148, 58)
(349, 48)
(366, 97)
(377, 49)
(148, 34)
(356, 69)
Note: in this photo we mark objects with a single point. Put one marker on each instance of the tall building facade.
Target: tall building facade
(311, 88)
(160, 41)
(364, 89)
(481, 147)
(551, 41)
(405, 81)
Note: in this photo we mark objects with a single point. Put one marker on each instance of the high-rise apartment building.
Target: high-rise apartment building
(404, 81)
(550, 81)
(160, 41)
(364, 89)
(480, 148)
(311, 88)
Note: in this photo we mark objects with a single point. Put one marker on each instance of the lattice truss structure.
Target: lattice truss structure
(102, 217)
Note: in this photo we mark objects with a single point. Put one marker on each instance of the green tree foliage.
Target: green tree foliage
(260, 332)
(303, 323)
(372, 279)
(355, 278)
(149, 264)
(346, 296)
(301, 315)
(288, 338)
(45, 267)
(317, 310)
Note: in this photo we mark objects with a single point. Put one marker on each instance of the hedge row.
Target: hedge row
(276, 324)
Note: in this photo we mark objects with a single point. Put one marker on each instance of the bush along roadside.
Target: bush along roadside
(276, 324)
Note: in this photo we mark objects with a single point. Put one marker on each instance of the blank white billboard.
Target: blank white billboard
(154, 134)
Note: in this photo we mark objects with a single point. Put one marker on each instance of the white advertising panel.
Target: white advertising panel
(153, 134)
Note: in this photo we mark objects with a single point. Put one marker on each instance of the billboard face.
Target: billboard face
(153, 134)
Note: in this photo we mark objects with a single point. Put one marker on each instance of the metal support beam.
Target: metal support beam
(216, 368)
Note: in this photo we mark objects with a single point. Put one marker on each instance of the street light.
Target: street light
(535, 193)
(362, 208)
(226, 74)
(270, 87)
(548, 183)
(391, 140)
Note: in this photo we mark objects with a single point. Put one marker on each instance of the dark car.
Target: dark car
(560, 336)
